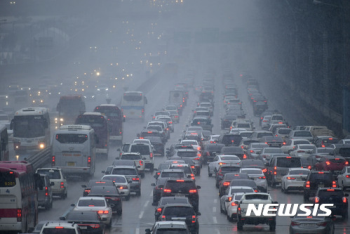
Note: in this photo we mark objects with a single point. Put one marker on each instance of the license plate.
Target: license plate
(275, 144)
(179, 195)
(308, 225)
(321, 185)
(83, 227)
(67, 154)
(71, 164)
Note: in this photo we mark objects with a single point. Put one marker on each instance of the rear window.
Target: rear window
(131, 157)
(256, 163)
(179, 211)
(240, 125)
(331, 196)
(273, 150)
(303, 133)
(142, 149)
(55, 230)
(230, 176)
(216, 148)
(91, 203)
(180, 185)
(252, 172)
(244, 190)
(7, 179)
(171, 231)
(173, 200)
(261, 135)
(231, 139)
(321, 176)
(124, 171)
(345, 152)
(229, 158)
(229, 169)
(71, 138)
(53, 174)
(288, 162)
(173, 174)
(256, 196)
(248, 183)
(284, 131)
(115, 179)
(187, 154)
(298, 172)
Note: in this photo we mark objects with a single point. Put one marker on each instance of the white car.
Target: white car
(258, 176)
(344, 142)
(294, 180)
(237, 130)
(231, 209)
(226, 199)
(142, 141)
(265, 122)
(193, 143)
(98, 204)
(219, 160)
(121, 182)
(303, 150)
(291, 144)
(213, 139)
(344, 178)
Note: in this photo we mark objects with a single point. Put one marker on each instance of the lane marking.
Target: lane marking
(215, 220)
(146, 204)
(141, 214)
(151, 193)
(137, 231)
(214, 209)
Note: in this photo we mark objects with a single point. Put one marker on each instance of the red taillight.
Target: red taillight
(290, 178)
(309, 167)
(193, 191)
(136, 179)
(262, 177)
(328, 163)
(87, 191)
(222, 163)
(317, 199)
(275, 172)
(294, 223)
(53, 161)
(89, 161)
(255, 190)
(159, 210)
(62, 185)
(141, 163)
(46, 191)
(143, 110)
(275, 168)
(234, 204)
(244, 156)
(284, 143)
(192, 167)
(347, 176)
(307, 184)
(226, 183)
(151, 155)
(288, 157)
(334, 184)
(264, 170)
(193, 219)
(320, 172)
(345, 200)
(19, 215)
(94, 225)
(346, 163)
(251, 151)
(167, 190)
(59, 227)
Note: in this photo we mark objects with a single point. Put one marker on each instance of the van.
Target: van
(279, 167)
(58, 181)
(74, 150)
(45, 196)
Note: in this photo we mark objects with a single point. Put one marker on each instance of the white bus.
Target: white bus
(31, 129)
(133, 105)
(74, 149)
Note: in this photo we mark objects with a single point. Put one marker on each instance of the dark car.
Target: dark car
(162, 166)
(226, 121)
(223, 169)
(119, 162)
(168, 200)
(93, 183)
(273, 141)
(210, 151)
(230, 139)
(158, 188)
(182, 187)
(183, 212)
(244, 182)
(315, 180)
(234, 150)
(253, 163)
(325, 141)
(113, 197)
(89, 222)
(228, 177)
(335, 196)
(157, 144)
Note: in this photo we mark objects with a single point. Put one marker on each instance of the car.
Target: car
(294, 180)
(113, 197)
(253, 163)
(119, 162)
(311, 224)
(172, 173)
(226, 181)
(168, 200)
(146, 152)
(45, 197)
(268, 152)
(291, 144)
(92, 183)
(88, 221)
(315, 180)
(230, 139)
(203, 122)
(59, 188)
(245, 134)
(181, 212)
(158, 188)
(335, 196)
(301, 134)
(234, 150)
(174, 115)
(166, 113)
(282, 132)
(303, 150)
(210, 151)
(158, 145)
(97, 204)
(273, 141)
(257, 135)
(219, 160)
(131, 175)
(138, 159)
(63, 227)
(265, 122)
(191, 157)
(167, 119)
(184, 187)
(161, 227)
(223, 169)
(185, 168)
(226, 121)
(121, 183)
(344, 178)
(226, 198)
(192, 143)
(254, 150)
(325, 141)
(161, 166)
(232, 207)
(258, 176)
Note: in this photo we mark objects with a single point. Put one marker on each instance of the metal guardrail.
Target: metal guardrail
(40, 159)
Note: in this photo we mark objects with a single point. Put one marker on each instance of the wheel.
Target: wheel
(229, 218)
(345, 215)
(239, 225)
(109, 224)
(138, 193)
(127, 198)
(47, 206)
(306, 198)
(151, 169)
(217, 184)
(64, 196)
(143, 175)
(209, 174)
(221, 210)
(119, 212)
(272, 226)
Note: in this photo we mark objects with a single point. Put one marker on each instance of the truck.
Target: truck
(178, 98)
(319, 131)
(259, 200)
(68, 108)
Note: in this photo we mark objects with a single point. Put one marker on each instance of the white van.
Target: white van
(74, 150)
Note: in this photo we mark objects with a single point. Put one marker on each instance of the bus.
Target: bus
(99, 123)
(68, 108)
(74, 149)
(133, 105)
(115, 120)
(4, 141)
(18, 196)
(31, 129)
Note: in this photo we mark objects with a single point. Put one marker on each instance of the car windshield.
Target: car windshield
(249, 183)
(53, 174)
(171, 231)
(288, 162)
(187, 154)
(179, 211)
(55, 230)
(331, 195)
(229, 158)
(131, 157)
(180, 185)
(124, 171)
(256, 197)
(241, 190)
(284, 131)
(115, 179)
(298, 172)
(273, 150)
(303, 134)
(91, 203)
(172, 174)
(321, 176)
(142, 149)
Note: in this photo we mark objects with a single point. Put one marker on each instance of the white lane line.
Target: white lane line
(215, 220)
(141, 215)
(214, 209)
(151, 193)
(217, 231)
(137, 231)
(215, 200)
(146, 204)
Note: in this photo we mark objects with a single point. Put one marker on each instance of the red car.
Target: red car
(331, 163)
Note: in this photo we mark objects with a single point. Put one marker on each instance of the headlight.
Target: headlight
(107, 89)
(42, 145)
(61, 119)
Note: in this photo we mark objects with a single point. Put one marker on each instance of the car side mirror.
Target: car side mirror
(84, 186)
(199, 213)
(147, 231)
(11, 125)
(118, 149)
(153, 184)
(72, 205)
(52, 183)
(274, 202)
(189, 176)
(145, 159)
(104, 172)
(138, 166)
(199, 187)
(62, 218)
(267, 164)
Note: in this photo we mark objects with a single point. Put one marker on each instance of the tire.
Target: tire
(138, 193)
(64, 196)
(151, 168)
(345, 215)
(209, 174)
(306, 198)
(230, 219)
(143, 175)
(47, 206)
(119, 212)
(221, 210)
(239, 225)
(127, 198)
(272, 226)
